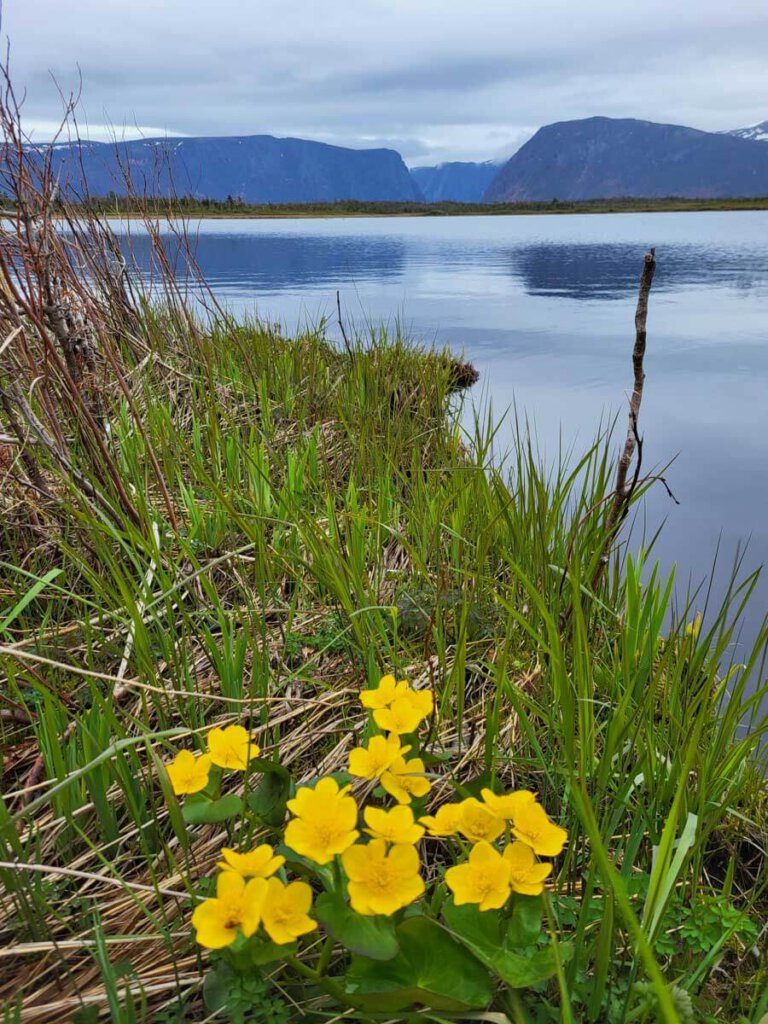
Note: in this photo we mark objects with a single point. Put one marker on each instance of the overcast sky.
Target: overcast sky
(435, 79)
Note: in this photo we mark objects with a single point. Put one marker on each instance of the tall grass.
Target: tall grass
(333, 521)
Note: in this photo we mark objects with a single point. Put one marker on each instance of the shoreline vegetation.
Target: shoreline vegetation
(125, 207)
(205, 527)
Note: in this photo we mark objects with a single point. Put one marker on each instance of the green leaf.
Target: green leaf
(216, 988)
(372, 937)
(481, 932)
(268, 799)
(306, 868)
(267, 952)
(431, 969)
(204, 811)
(30, 595)
(524, 927)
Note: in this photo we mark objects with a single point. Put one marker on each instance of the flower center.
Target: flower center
(485, 883)
(328, 832)
(234, 916)
(381, 879)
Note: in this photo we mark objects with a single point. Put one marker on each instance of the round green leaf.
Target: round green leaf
(204, 811)
(431, 970)
(268, 799)
(481, 932)
(524, 928)
(372, 937)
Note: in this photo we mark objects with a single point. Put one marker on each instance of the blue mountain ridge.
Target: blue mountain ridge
(592, 158)
(602, 157)
(456, 181)
(252, 168)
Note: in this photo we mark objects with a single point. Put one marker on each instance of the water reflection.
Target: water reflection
(610, 270)
(274, 262)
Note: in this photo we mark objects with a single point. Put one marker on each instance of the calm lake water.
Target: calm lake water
(544, 307)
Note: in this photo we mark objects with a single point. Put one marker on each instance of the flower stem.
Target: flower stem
(325, 956)
(327, 984)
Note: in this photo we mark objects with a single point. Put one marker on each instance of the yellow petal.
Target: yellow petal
(210, 921)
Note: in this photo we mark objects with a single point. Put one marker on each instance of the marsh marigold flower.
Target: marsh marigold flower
(483, 879)
(259, 863)
(444, 822)
(372, 761)
(384, 694)
(231, 747)
(406, 713)
(285, 913)
(526, 873)
(532, 826)
(394, 826)
(382, 882)
(505, 805)
(406, 779)
(237, 904)
(478, 823)
(325, 821)
(188, 774)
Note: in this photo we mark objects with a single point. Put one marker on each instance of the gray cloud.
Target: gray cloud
(436, 79)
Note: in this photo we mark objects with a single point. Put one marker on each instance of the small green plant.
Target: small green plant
(393, 941)
(709, 918)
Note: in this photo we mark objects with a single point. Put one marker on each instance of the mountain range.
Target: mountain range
(592, 158)
(601, 157)
(249, 168)
(456, 182)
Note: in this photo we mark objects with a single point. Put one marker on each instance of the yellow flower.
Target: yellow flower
(483, 879)
(526, 874)
(238, 904)
(422, 700)
(285, 914)
(406, 779)
(382, 882)
(372, 761)
(395, 826)
(259, 863)
(478, 823)
(188, 774)
(445, 821)
(325, 821)
(504, 805)
(532, 827)
(403, 715)
(231, 747)
(387, 691)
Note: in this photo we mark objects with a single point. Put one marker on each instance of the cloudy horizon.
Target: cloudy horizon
(433, 81)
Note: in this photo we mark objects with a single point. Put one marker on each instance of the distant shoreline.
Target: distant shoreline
(121, 209)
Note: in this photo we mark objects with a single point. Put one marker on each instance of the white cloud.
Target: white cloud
(439, 79)
(45, 131)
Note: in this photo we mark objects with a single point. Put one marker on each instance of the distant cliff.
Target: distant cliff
(601, 157)
(454, 182)
(252, 168)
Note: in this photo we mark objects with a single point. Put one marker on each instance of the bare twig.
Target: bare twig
(341, 324)
(622, 494)
(620, 499)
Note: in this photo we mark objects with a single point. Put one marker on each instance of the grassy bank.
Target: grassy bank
(211, 208)
(205, 523)
(325, 520)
